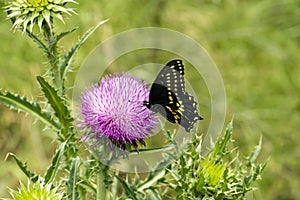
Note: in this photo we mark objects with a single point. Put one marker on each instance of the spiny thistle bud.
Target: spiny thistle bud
(27, 13)
(210, 173)
(36, 190)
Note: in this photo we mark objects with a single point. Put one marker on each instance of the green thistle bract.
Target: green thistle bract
(211, 171)
(35, 191)
(27, 13)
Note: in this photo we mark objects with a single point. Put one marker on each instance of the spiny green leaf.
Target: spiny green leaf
(128, 190)
(65, 64)
(152, 180)
(18, 103)
(158, 172)
(72, 183)
(52, 170)
(222, 143)
(254, 154)
(56, 102)
(63, 34)
(23, 167)
(88, 186)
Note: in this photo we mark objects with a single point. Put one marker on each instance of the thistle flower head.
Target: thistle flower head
(26, 13)
(114, 110)
(36, 190)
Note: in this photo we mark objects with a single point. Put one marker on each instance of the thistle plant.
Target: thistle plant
(111, 111)
(221, 174)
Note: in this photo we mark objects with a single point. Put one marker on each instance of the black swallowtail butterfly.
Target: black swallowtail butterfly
(168, 91)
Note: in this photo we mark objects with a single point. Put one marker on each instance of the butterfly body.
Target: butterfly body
(169, 98)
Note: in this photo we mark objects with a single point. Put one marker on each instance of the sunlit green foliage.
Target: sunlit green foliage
(221, 174)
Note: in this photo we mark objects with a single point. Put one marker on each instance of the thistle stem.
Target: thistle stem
(52, 55)
(101, 190)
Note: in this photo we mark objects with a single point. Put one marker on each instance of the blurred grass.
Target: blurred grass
(255, 44)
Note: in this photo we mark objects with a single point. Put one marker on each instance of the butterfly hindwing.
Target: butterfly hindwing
(190, 114)
(168, 92)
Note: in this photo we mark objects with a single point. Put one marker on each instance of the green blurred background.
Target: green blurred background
(255, 44)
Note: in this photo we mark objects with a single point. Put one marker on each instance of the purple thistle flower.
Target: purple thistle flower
(114, 110)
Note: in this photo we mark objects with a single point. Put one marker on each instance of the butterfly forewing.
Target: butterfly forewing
(164, 101)
(171, 76)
